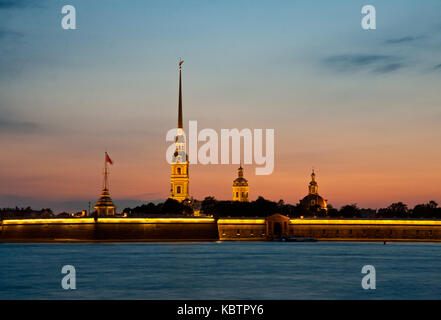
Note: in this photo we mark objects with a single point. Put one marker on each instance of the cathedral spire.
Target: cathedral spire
(179, 189)
(180, 96)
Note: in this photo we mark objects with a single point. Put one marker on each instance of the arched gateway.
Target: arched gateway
(277, 226)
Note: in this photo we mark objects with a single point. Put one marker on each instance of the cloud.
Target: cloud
(391, 67)
(12, 126)
(403, 40)
(10, 4)
(7, 34)
(437, 67)
(368, 62)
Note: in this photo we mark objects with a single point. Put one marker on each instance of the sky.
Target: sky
(361, 107)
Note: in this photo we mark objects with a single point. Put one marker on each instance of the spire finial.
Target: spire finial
(180, 96)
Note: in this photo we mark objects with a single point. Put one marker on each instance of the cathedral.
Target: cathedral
(313, 199)
(179, 168)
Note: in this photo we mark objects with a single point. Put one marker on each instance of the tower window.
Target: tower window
(237, 194)
(178, 189)
(179, 170)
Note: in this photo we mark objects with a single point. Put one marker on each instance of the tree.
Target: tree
(350, 211)
(172, 206)
(332, 212)
(397, 209)
(428, 210)
(208, 205)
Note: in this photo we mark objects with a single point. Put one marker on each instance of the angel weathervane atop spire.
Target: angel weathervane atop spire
(180, 63)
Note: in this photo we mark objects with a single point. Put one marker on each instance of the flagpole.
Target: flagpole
(105, 170)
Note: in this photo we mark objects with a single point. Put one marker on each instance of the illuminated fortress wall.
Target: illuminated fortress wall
(242, 229)
(367, 230)
(110, 229)
(208, 229)
(329, 230)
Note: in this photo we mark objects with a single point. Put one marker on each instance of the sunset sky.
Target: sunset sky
(361, 107)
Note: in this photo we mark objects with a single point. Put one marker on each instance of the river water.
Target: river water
(221, 270)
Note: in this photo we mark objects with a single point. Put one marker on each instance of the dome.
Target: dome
(313, 200)
(240, 182)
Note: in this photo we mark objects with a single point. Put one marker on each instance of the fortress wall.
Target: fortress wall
(242, 229)
(111, 230)
(333, 230)
(207, 229)
(389, 231)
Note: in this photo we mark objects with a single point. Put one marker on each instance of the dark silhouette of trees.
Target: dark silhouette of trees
(332, 212)
(208, 204)
(25, 213)
(350, 211)
(261, 207)
(395, 210)
(169, 207)
(428, 210)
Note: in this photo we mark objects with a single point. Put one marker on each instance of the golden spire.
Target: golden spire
(180, 96)
(313, 187)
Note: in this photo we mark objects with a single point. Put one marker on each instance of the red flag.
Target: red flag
(108, 160)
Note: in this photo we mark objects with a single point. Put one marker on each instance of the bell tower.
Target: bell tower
(240, 187)
(179, 168)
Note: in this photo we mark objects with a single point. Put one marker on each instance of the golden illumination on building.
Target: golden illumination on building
(157, 220)
(241, 221)
(240, 187)
(48, 221)
(106, 220)
(366, 222)
(179, 188)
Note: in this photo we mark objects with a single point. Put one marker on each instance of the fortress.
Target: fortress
(209, 229)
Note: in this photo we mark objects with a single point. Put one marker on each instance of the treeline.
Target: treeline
(263, 208)
(25, 213)
(258, 208)
(169, 207)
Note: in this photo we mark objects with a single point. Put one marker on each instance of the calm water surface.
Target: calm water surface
(228, 270)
